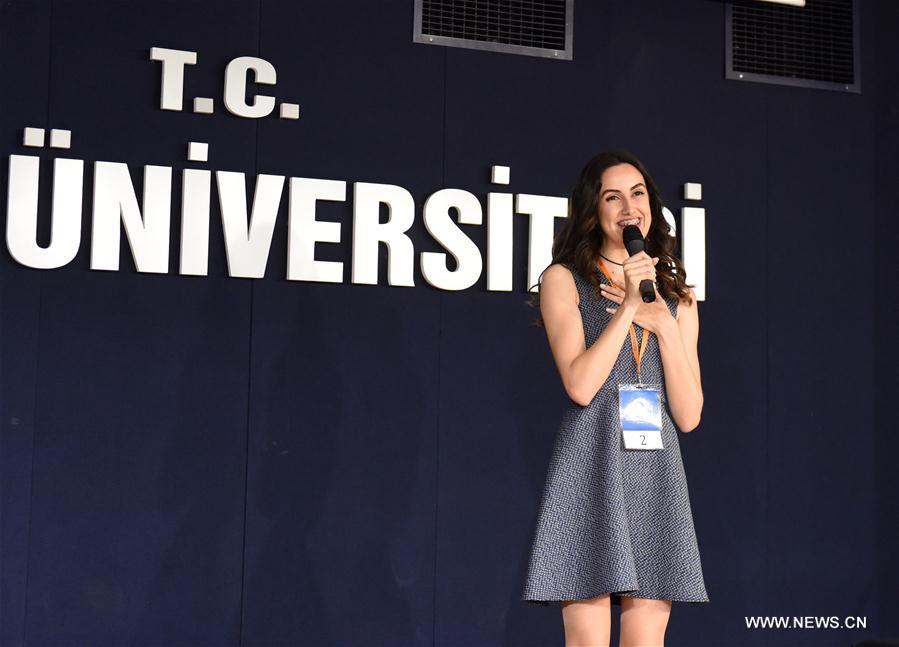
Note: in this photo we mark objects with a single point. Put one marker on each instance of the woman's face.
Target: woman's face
(623, 200)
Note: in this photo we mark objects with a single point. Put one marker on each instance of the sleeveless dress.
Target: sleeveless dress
(614, 520)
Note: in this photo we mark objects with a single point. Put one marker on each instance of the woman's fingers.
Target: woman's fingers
(638, 275)
(636, 263)
(639, 267)
(612, 293)
(638, 257)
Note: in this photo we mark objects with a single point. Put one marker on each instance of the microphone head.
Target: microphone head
(633, 239)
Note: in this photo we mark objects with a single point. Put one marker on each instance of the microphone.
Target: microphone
(633, 241)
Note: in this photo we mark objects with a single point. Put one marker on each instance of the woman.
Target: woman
(615, 524)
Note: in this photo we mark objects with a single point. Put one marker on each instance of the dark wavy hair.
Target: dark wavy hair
(578, 243)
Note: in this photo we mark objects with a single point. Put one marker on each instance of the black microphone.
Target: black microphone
(633, 241)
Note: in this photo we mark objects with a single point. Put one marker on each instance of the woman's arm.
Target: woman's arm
(583, 371)
(678, 347)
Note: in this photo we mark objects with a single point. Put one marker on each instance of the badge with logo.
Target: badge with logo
(640, 414)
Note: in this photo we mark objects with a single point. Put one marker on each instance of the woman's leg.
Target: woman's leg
(588, 623)
(643, 622)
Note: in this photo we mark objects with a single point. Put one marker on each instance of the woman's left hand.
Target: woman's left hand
(655, 316)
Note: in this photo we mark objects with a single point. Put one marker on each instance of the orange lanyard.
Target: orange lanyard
(638, 356)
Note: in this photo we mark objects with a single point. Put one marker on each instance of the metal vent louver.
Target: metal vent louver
(532, 27)
(813, 46)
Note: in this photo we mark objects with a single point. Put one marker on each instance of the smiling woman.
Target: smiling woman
(614, 524)
(628, 193)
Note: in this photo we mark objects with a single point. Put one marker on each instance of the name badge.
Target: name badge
(640, 415)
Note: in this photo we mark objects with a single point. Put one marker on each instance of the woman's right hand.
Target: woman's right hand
(636, 268)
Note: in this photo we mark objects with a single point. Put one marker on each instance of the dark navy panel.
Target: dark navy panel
(885, 496)
(345, 378)
(138, 496)
(819, 410)
(140, 450)
(340, 519)
(24, 35)
(821, 353)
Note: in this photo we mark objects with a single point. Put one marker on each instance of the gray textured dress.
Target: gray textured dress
(614, 520)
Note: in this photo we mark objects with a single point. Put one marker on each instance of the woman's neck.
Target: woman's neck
(615, 253)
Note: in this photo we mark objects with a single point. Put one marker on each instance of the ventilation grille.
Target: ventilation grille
(815, 45)
(535, 27)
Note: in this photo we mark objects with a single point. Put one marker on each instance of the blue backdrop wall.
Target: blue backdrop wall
(213, 460)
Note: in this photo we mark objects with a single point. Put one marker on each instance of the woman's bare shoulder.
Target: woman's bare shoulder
(558, 282)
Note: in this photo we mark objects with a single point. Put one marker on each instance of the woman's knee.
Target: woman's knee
(643, 622)
(587, 622)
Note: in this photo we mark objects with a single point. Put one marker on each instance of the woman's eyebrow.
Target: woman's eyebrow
(617, 191)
